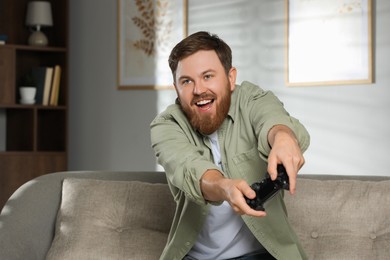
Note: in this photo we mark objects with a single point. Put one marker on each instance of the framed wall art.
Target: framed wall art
(147, 32)
(329, 42)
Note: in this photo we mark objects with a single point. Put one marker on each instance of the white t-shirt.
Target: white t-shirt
(224, 233)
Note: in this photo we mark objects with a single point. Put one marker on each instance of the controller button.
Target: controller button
(314, 235)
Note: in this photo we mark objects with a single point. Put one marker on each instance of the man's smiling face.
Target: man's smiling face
(204, 90)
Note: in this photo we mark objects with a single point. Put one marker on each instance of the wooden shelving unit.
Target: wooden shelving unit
(35, 139)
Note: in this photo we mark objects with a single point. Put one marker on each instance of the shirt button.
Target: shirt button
(372, 236)
(188, 244)
(314, 234)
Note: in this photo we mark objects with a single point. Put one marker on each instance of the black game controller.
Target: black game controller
(267, 188)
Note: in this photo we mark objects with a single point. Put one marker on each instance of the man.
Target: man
(213, 143)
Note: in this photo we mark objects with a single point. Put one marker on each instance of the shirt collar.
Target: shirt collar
(233, 103)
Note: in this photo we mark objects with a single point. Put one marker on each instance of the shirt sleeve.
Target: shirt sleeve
(266, 111)
(184, 162)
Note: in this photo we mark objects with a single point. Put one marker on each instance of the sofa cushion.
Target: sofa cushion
(342, 219)
(101, 219)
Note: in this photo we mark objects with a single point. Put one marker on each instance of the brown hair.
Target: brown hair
(200, 41)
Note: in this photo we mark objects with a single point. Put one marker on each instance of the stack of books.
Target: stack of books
(48, 84)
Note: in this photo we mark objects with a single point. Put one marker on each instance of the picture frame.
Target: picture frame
(328, 42)
(147, 32)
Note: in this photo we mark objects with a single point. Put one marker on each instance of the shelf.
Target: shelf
(17, 60)
(51, 130)
(20, 130)
(35, 128)
(33, 138)
(33, 106)
(29, 153)
(19, 47)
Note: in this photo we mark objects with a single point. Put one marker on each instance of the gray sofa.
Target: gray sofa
(336, 217)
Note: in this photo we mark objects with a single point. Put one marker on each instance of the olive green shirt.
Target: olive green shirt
(186, 155)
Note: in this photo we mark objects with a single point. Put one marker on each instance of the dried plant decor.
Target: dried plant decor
(147, 31)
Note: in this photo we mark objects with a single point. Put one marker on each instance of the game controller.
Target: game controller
(267, 188)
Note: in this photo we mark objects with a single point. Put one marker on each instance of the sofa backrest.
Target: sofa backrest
(336, 217)
(100, 219)
(342, 218)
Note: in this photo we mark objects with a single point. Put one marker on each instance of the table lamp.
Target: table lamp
(38, 15)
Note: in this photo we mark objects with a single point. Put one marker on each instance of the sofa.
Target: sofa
(127, 215)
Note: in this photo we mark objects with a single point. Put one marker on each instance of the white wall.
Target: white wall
(109, 129)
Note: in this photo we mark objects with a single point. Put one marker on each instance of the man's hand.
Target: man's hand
(215, 187)
(284, 150)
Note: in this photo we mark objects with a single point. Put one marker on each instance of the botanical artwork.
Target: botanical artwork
(329, 42)
(148, 30)
(156, 29)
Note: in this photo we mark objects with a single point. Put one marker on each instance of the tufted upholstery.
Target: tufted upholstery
(101, 219)
(336, 217)
(342, 219)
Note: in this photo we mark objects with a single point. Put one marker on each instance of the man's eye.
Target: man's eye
(186, 82)
(208, 76)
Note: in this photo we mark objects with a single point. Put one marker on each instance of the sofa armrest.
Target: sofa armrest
(27, 221)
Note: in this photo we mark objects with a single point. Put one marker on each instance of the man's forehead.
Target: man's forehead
(198, 63)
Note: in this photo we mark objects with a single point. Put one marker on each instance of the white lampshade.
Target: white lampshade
(39, 14)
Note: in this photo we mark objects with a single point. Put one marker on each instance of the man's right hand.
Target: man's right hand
(215, 187)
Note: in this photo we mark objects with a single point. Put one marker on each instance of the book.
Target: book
(38, 78)
(55, 89)
(47, 86)
(38, 75)
(43, 80)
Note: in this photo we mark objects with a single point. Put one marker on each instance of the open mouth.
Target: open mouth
(204, 104)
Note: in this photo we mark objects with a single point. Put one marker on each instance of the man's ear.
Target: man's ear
(232, 78)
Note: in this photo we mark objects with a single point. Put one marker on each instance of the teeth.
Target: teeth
(203, 102)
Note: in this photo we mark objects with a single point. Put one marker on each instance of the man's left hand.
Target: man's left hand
(284, 150)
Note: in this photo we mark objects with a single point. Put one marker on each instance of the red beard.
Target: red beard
(209, 123)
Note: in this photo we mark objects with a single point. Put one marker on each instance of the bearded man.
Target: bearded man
(213, 143)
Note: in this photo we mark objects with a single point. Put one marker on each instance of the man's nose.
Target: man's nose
(199, 88)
